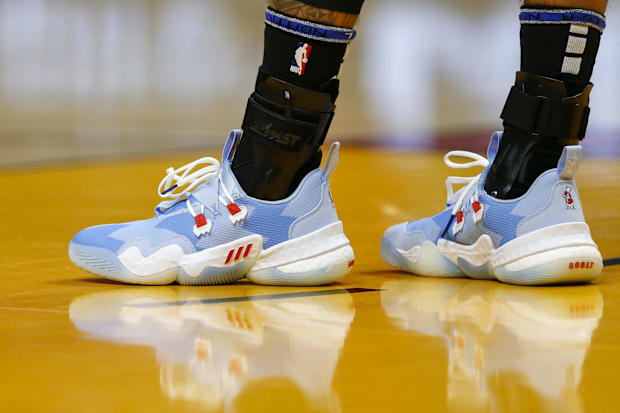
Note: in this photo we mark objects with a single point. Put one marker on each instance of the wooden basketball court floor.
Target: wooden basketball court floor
(378, 341)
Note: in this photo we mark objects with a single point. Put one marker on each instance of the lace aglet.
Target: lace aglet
(477, 208)
(238, 213)
(203, 225)
(458, 225)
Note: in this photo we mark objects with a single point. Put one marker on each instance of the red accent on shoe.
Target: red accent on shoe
(233, 209)
(201, 221)
(351, 263)
(247, 250)
(238, 253)
(230, 254)
(459, 217)
(476, 206)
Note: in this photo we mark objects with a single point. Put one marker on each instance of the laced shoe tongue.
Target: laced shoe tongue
(203, 181)
(229, 179)
(166, 207)
(207, 194)
(455, 196)
(202, 194)
(451, 200)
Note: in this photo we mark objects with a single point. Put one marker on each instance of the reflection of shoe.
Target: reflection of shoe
(211, 232)
(527, 337)
(214, 345)
(563, 314)
(538, 238)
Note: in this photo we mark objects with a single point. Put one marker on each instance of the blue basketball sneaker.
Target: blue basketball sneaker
(538, 238)
(209, 231)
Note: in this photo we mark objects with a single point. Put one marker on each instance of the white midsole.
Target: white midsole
(544, 245)
(172, 256)
(341, 254)
(315, 244)
(479, 253)
(581, 252)
(292, 256)
(574, 234)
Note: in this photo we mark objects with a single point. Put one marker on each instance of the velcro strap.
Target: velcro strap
(540, 116)
(276, 129)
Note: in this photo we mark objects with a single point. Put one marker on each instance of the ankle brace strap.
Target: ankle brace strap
(540, 106)
(287, 115)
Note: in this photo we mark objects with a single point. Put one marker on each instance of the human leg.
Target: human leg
(289, 113)
(521, 220)
(266, 210)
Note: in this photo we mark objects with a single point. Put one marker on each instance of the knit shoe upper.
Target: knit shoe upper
(208, 231)
(540, 237)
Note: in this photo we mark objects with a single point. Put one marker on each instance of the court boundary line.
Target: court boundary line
(611, 261)
(300, 294)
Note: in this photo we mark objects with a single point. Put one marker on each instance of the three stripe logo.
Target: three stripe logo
(237, 255)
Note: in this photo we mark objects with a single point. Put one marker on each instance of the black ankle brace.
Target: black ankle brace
(283, 129)
(547, 108)
(541, 116)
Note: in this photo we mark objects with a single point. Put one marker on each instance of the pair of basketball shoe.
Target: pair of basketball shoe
(209, 231)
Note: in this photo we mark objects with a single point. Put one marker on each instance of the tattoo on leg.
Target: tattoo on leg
(298, 9)
(596, 5)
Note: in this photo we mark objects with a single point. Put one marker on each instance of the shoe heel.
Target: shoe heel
(559, 254)
(318, 258)
(569, 265)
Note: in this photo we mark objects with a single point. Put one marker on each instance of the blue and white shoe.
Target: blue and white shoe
(539, 238)
(209, 231)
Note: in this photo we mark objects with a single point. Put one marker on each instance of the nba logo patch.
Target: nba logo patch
(300, 60)
(568, 198)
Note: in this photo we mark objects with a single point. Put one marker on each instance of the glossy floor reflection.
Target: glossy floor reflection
(244, 347)
(378, 341)
(217, 345)
(507, 346)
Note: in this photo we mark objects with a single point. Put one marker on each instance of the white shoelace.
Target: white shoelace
(470, 181)
(179, 183)
(173, 181)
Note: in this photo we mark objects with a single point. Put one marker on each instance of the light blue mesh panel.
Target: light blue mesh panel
(432, 227)
(501, 217)
(271, 220)
(98, 236)
(230, 181)
(403, 239)
(268, 221)
(442, 220)
(411, 234)
(307, 197)
(538, 196)
(497, 223)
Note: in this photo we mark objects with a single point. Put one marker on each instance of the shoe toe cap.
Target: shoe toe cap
(99, 236)
(403, 239)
